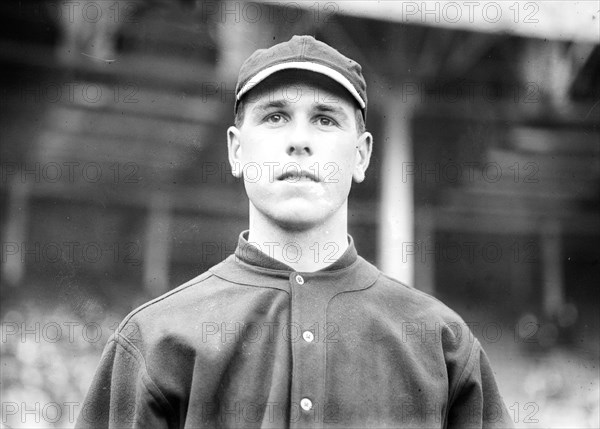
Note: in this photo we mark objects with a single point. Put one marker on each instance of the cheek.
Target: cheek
(257, 165)
(259, 146)
(254, 153)
(341, 164)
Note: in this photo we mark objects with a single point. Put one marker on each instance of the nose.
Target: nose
(299, 140)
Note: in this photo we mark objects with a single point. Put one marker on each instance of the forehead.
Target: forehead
(292, 85)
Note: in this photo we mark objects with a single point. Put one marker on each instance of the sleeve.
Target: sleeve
(122, 394)
(477, 402)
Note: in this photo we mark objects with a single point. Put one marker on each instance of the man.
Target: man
(295, 329)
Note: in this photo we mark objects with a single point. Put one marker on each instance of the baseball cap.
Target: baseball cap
(302, 53)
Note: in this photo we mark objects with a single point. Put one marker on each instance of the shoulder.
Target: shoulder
(415, 304)
(210, 298)
(169, 300)
(417, 315)
(178, 304)
(424, 321)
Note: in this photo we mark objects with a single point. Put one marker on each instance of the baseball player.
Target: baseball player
(295, 329)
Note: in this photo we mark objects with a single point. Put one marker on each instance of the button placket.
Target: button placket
(308, 312)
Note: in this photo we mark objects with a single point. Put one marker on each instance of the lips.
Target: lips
(296, 176)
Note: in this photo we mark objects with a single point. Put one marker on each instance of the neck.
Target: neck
(303, 249)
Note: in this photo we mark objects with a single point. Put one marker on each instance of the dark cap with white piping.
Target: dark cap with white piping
(303, 53)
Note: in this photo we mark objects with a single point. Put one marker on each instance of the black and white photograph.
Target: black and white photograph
(312, 214)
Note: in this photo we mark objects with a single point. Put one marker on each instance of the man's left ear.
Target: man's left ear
(364, 146)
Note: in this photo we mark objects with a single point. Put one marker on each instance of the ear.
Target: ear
(234, 151)
(364, 146)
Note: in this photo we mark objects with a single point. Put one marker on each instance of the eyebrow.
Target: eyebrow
(326, 108)
(273, 104)
(319, 107)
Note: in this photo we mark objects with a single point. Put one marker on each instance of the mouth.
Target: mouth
(298, 176)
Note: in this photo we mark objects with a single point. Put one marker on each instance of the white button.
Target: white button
(299, 279)
(306, 404)
(308, 336)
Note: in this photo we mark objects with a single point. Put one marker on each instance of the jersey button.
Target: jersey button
(299, 279)
(306, 404)
(308, 336)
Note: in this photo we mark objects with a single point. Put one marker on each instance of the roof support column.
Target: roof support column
(397, 246)
(553, 298)
(157, 259)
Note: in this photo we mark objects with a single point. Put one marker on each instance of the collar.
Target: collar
(250, 266)
(252, 255)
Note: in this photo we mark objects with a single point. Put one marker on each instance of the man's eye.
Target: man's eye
(276, 118)
(325, 121)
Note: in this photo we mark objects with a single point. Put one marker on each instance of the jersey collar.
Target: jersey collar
(252, 255)
(250, 266)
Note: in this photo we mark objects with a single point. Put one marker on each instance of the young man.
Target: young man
(295, 329)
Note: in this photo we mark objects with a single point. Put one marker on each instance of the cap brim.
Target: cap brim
(302, 65)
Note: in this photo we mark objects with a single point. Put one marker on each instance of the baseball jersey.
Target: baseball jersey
(252, 343)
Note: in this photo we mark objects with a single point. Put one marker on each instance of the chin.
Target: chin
(297, 215)
(302, 220)
(299, 225)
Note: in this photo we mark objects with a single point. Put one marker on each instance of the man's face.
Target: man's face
(298, 150)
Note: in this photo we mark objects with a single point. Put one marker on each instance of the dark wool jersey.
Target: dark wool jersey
(252, 343)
